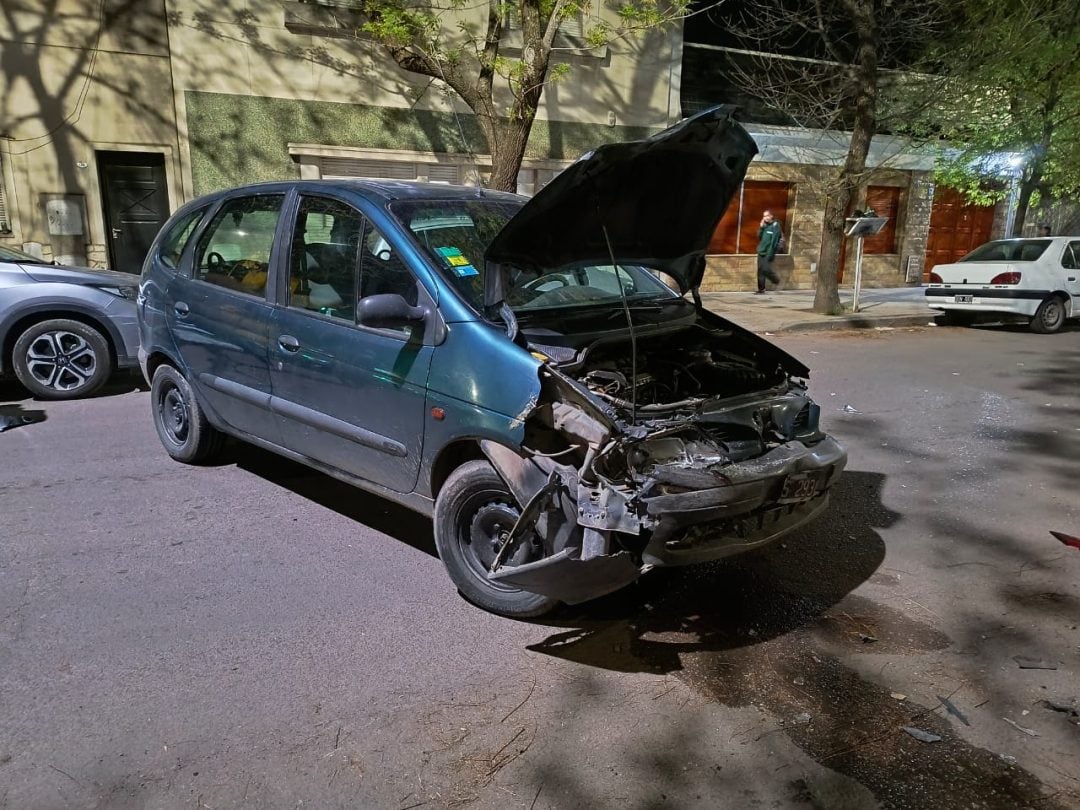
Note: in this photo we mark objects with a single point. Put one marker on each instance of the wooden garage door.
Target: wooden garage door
(956, 228)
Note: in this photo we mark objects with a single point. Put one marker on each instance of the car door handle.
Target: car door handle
(181, 309)
(288, 343)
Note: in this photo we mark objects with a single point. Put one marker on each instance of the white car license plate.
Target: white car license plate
(965, 299)
(800, 487)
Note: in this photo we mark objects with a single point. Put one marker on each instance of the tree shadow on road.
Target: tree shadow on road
(735, 603)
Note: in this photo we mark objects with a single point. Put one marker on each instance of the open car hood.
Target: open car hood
(658, 200)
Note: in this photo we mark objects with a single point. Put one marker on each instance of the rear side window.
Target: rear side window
(1009, 250)
(234, 251)
(172, 246)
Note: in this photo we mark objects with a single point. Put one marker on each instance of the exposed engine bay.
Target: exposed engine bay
(693, 447)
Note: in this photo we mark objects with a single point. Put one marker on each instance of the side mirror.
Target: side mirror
(388, 311)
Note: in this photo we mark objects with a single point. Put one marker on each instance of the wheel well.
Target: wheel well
(450, 458)
(155, 360)
(24, 323)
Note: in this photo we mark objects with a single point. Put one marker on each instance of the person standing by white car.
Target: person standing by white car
(1038, 279)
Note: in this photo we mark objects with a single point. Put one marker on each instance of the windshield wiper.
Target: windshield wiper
(654, 305)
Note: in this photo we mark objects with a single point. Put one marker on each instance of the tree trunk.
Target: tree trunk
(1023, 200)
(864, 87)
(507, 154)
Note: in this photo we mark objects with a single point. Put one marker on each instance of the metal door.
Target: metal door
(136, 205)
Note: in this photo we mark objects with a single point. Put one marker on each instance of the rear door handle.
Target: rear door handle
(288, 343)
(181, 309)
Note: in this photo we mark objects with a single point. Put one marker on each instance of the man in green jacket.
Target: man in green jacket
(768, 244)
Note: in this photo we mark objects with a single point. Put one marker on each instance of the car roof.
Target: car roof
(377, 190)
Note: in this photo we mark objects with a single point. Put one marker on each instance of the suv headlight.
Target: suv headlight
(122, 292)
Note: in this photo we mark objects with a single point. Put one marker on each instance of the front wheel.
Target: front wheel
(1049, 317)
(181, 424)
(61, 359)
(473, 514)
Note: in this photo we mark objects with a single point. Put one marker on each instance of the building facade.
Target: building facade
(115, 112)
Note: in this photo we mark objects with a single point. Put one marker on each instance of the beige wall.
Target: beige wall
(73, 82)
(246, 48)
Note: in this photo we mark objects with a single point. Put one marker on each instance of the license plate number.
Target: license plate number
(965, 299)
(800, 487)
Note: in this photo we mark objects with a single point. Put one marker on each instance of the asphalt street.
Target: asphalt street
(254, 634)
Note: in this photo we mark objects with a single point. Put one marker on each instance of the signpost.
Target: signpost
(860, 227)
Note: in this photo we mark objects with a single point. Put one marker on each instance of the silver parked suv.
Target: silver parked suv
(64, 330)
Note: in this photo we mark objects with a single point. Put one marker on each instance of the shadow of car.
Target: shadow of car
(64, 330)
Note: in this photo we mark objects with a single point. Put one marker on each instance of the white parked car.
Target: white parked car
(1035, 278)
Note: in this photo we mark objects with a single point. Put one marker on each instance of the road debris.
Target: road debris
(922, 736)
(850, 409)
(897, 695)
(866, 639)
(1027, 662)
(800, 719)
(950, 707)
(1064, 708)
(1067, 539)
(1018, 727)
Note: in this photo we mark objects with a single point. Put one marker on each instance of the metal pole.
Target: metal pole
(858, 273)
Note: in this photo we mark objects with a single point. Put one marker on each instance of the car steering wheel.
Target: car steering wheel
(215, 263)
(537, 283)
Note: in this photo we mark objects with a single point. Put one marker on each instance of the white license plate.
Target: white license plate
(965, 299)
(800, 487)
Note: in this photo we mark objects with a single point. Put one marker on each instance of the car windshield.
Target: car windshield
(11, 255)
(456, 234)
(1009, 250)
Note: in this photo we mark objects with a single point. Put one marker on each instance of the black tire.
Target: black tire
(181, 424)
(1049, 317)
(951, 317)
(62, 359)
(471, 505)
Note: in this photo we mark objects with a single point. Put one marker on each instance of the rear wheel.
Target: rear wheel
(1049, 317)
(181, 424)
(62, 359)
(474, 513)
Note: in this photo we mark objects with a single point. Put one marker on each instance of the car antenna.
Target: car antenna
(464, 140)
(629, 328)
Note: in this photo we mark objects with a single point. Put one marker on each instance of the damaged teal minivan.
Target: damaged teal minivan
(513, 367)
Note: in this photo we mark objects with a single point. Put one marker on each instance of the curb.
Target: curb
(859, 322)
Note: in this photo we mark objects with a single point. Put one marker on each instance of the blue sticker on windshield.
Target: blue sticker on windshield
(466, 270)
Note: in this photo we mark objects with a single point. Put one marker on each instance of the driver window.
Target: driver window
(382, 270)
(323, 262)
(235, 250)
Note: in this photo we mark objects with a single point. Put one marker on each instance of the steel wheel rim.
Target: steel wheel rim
(490, 515)
(1052, 314)
(174, 415)
(61, 360)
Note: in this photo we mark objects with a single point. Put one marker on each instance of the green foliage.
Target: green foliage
(1013, 91)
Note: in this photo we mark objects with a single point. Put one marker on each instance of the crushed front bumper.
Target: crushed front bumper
(761, 499)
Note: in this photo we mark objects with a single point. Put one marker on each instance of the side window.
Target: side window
(382, 270)
(323, 262)
(172, 246)
(1070, 259)
(234, 251)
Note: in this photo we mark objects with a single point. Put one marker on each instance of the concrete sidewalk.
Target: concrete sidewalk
(793, 310)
